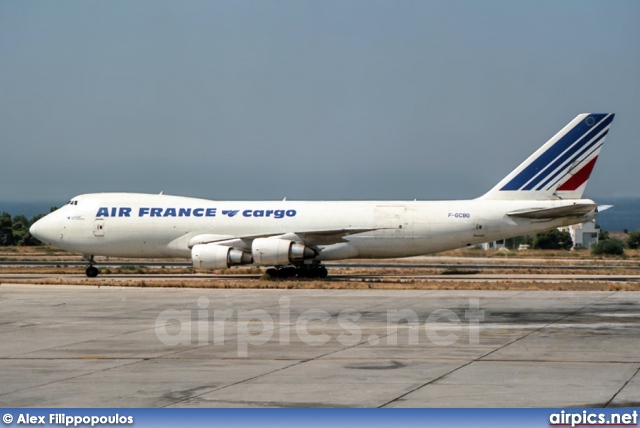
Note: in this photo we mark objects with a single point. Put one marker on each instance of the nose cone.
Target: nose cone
(44, 229)
(33, 228)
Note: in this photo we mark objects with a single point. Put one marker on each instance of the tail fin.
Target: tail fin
(559, 169)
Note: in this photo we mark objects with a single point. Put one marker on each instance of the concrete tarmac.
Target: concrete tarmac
(81, 346)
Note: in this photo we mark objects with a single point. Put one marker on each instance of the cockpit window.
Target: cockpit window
(72, 202)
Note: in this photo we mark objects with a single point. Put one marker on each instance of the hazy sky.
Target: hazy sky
(308, 100)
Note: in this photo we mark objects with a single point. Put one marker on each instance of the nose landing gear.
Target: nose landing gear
(91, 270)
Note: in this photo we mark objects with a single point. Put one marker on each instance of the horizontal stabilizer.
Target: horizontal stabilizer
(566, 211)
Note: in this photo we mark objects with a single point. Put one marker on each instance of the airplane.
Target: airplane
(295, 238)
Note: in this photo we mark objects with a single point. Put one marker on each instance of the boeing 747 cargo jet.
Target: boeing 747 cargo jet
(296, 237)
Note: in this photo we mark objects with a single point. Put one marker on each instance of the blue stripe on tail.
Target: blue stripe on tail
(554, 152)
(569, 154)
(596, 142)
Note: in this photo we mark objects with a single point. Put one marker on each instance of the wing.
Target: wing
(310, 238)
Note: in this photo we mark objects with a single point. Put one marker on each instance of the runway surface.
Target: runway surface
(68, 346)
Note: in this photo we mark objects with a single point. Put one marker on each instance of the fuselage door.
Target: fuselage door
(479, 229)
(98, 227)
(391, 220)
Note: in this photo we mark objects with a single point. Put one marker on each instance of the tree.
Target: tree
(603, 235)
(28, 240)
(514, 243)
(610, 246)
(553, 239)
(15, 231)
(20, 219)
(6, 229)
(633, 240)
(19, 230)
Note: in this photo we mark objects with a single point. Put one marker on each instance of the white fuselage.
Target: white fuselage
(143, 225)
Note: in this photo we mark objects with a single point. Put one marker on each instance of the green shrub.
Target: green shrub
(553, 239)
(612, 247)
(633, 240)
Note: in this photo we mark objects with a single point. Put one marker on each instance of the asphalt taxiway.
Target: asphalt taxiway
(84, 346)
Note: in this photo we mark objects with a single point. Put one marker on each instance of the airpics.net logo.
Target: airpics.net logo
(244, 329)
(593, 419)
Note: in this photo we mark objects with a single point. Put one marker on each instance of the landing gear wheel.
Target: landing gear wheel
(300, 272)
(322, 272)
(312, 272)
(288, 272)
(92, 271)
(272, 272)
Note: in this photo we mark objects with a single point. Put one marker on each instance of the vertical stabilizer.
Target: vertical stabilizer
(560, 168)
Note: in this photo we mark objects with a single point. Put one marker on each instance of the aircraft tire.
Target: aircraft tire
(316, 272)
(288, 272)
(322, 272)
(272, 272)
(92, 271)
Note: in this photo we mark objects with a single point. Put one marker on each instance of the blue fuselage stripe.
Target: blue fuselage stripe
(552, 153)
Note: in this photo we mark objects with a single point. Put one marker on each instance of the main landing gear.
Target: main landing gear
(91, 270)
(304, 271)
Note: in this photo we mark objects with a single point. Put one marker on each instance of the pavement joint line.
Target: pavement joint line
(276, 370)
(277, 326)
(70, 378)
(373, 312)
(87, 340)
(622, 387)
(548, 324)
(236, 383)
(491, 352)
(268, 373)
(253, 292)
(242, 381)
(330, 359)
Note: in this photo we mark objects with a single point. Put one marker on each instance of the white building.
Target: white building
(583, 234)
(493, 245)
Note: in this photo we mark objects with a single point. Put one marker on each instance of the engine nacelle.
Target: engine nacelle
(212, 256)
(276, 252)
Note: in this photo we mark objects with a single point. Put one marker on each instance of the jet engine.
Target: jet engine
(213, 256)
(277, 252)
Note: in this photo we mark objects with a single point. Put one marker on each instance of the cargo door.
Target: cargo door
(98, 227)
(391, 219)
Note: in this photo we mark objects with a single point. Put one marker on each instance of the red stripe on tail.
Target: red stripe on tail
(579, 178)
